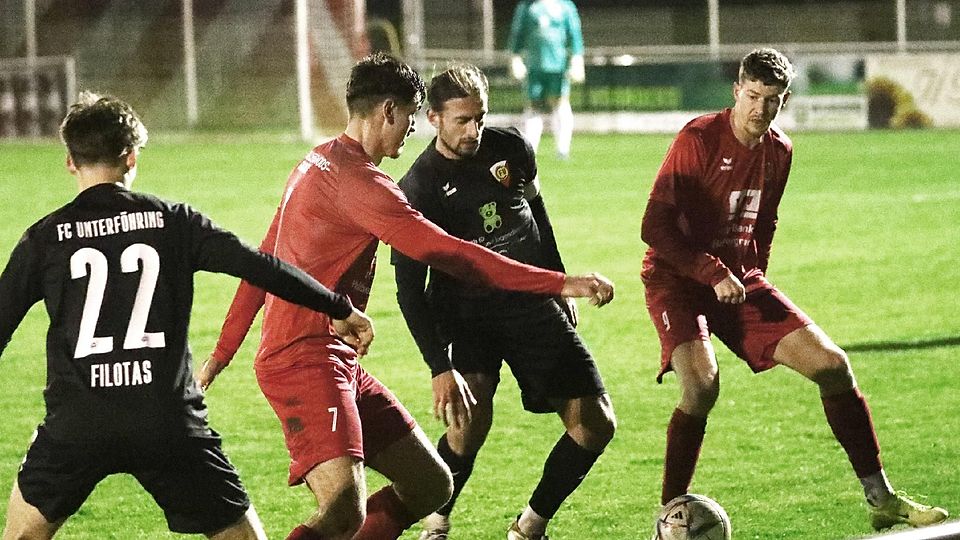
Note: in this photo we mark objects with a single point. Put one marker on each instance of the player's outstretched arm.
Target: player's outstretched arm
(208, 372)
(593, 286)
(356, 331)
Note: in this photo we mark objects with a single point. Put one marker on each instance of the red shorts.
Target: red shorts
(751, 330)
(330, 407)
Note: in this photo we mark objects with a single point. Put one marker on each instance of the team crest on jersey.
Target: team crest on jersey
(501, 172)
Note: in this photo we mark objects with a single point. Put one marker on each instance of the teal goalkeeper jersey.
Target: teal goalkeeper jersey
(546, 33)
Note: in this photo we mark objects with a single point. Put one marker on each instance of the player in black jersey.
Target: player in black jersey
(115, 271)
(480, 184)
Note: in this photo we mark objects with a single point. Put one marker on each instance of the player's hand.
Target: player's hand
(452, 399)
(208, 372)
(730, 290)
(577, 72)
(569, 308)
(593, 286)
(517, 68)
(356, 331)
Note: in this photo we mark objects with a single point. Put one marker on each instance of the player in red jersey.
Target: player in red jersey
(336, 417)
(709, 224)
(114, 268)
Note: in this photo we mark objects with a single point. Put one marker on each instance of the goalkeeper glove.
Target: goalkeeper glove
(577, 73)
(517, 68)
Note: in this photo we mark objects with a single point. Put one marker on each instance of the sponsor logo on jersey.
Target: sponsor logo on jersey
(501, 172)
(491, 220)
(726, 164)
(449, 190)
(315, 159)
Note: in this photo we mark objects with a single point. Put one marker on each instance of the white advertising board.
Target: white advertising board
(824, 113)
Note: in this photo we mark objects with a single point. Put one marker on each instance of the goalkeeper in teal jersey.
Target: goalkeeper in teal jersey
(547, 47)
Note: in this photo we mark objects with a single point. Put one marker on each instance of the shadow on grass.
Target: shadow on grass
(903, 345)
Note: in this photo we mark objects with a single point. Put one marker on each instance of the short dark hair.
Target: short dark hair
(458, 81)
(769, 66)
(101, 129)
(380, 76)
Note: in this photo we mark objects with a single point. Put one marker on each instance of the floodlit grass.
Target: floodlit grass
(867, 245)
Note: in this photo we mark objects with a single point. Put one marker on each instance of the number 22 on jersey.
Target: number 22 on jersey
(92, 262)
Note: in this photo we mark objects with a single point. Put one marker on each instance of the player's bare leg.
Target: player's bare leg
(812, 353)
(24, 521)
(695, 365)
(248, 527)
(421, 483)
(590, 425)
(533, 122)
(562, 125)
(340, 489)
(458, 447)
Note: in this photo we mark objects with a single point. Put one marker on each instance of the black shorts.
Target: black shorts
(537, 341)
(189, 476)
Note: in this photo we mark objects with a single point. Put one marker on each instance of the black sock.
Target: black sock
(566, 466)
(460, 466)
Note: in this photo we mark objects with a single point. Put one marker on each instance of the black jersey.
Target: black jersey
(480, 199)
(115, 271)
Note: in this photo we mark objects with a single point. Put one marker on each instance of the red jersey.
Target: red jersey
(336, 205)
(713, 207)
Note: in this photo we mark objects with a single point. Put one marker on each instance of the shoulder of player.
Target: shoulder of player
(506, 141)
(140, 201)
(705, 131)
(424, 170)
(706, 122)
(504, 135)
(780, 139)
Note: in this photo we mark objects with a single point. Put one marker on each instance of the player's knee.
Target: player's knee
(700, 392)
(434, 490)
(344, 516)
(596, 426)
(834, 372)
(351, 521)
(605, 425)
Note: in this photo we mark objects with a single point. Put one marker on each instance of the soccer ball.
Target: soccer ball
(692, 517)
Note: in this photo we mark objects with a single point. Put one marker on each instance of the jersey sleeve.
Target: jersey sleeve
(419, 315)
(767, 216)
(217, 250)
(517, 30)
(549, 251)
(574, 32)
(382, 209)
(20, 288)
(662, 222)
(411, 277)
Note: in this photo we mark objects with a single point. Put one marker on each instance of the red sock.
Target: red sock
(684, 439)
(387, 517)
(849, 418)
(304, 533)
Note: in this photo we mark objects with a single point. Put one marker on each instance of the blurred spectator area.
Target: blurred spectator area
(245, 55)
(641, 54)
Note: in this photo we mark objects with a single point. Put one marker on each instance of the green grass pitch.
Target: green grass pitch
(868, 245)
